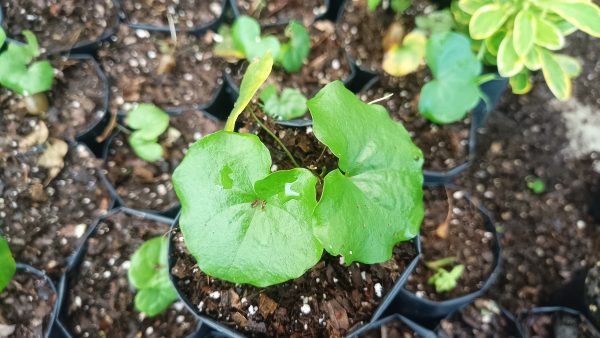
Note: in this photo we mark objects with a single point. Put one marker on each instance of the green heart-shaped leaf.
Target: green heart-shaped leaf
(7, 264)
(247, 38)
(148, 122)
(149, 265)
(241, 222)
(295, 52)
(290, 105)
(374, 200)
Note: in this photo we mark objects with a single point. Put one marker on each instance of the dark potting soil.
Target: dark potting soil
(147, 186)
(444, 146)
(186, 14)
(326, 62)
(392, 329)
(26, 306)
(60, 24)
(592, 293)
(466, 239)
(482, 319)
(362, 31)
(557, 325)
(42, 216)
(547, 237)
(100, 298)
(133, 63)
(275, 11)
(340, 298)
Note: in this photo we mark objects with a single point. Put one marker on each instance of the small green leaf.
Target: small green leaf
(257, 73)
(521, 83)
(149, 265)
(406, 59)
(242, 223)
(557, 79)
(570, 65)
(445, 281)
(537, 186)
(148, 122)
(374, 200)
(399, 6)
(583, 14)
(373, 4)
(268, 93)
(471, 6)
(155, 301)
(547, 35)
(291, 104)
(31, 44)
(509, 62)
(524, 32)
(247, 38)
(487, 20)
(294, 53)
(7, 264)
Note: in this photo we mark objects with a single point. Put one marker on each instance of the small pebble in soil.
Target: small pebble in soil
(305, 309)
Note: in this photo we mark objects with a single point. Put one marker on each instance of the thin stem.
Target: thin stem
(285, 149)
(123, 129)
(382, 98)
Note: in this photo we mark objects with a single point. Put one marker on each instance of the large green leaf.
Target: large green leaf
(241, 222)
(583, 14)
(524, 32)
(257, 73)
(509, 62)
(374, 200)
(247, 38)
(455, 89)
(548, 35)
(556, 77)
(294, 53)
(487, 20)
(7, 264)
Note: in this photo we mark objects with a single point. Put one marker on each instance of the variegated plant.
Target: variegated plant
(520, 36)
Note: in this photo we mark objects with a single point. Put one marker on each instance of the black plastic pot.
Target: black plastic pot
(333, 11)
(196, 30)
(416, 328)
(220, 330)
(82, 47)
(61, 316)
(427, 312)
(554, 310)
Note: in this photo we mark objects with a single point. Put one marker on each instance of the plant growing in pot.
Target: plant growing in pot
(306, 58)
(258, 235)
(523, 37)
(141, 156)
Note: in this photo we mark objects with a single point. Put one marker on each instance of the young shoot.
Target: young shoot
(7, 264)
(20, 73)
(537, 186)
(148, 123)
(149, 274)
(442, 279)
(244, 40)
(289, 105)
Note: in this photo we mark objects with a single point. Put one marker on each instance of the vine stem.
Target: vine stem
(285, 149)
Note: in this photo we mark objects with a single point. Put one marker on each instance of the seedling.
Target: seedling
(523, 36)
(398, 6)
(24, 76)
(149, 274)
(289, 105)
(244, 40)
(7, 264)
(246, 224)
(442, 279)
(148, 122)
(537, 186)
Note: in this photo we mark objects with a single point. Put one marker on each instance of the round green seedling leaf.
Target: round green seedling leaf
(7, 264)
(374, 200)
(448, 100)
(449, 55)
(149, 266)
(155, 301)
(148, 122)
(242, 223)
(247, 38)
(487, 20)
(290, 105)
(294, 53)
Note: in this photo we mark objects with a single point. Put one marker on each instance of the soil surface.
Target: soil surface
(462, 236)
(557, 325)
(482, 319)
(26, 306)
(444, 146)
(100, 298)
(326, 62)
(592, 293)
(147, 186)
(392, 329)
(340, 298)
(186, 14)
(136, 62)
(60, 24)
(278, 11)
(362, 31)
